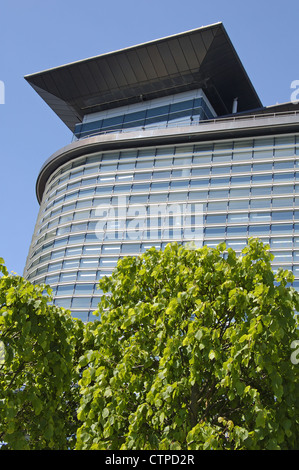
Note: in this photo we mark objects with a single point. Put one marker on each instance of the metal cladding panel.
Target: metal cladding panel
(102, 84)
(136, 65)
(147, 63)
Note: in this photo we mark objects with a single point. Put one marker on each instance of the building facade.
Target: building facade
(170, 143)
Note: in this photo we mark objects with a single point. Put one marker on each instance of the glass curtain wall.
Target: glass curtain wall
(101, 207)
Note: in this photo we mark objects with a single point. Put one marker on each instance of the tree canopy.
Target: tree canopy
(38, 380)
(191, 350)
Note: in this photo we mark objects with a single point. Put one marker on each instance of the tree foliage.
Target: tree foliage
(38, 379)
(192, 351)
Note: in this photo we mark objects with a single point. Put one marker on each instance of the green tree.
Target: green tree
(192, 351)
(40, 345)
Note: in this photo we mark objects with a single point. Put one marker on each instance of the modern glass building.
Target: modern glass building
(170, 143)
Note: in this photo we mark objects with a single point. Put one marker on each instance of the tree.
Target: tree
(38, 380)
(192, 351)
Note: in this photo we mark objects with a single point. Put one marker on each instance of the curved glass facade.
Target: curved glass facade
(102, 206)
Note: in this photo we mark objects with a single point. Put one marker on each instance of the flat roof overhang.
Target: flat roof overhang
(271, 120)
(201, 58)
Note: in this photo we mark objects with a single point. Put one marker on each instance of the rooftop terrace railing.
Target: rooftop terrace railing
(193, 123)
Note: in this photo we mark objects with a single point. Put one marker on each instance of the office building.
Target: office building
(170, 143)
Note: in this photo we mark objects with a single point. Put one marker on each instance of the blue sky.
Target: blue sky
(36, 35)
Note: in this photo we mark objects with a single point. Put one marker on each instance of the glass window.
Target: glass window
(65, 290)
(163, 162)
(260, 217)
(220, 170)
(219, 181)
(108, 262)
(241, 180)
(139, 199)
(282, 228)
(180, 196)
(178, 184)
(89, 181)
(106, 179)
(199, 183)
(143, 187)
(79, 302)
(265, 153)
(111, 249)
(282, 202)
(160, 186)
(84, 203)
(239, 192)
(144, 163)
(260, 203)
(130, 248)
(224, 157)
(283, 189)
(182, 173)
(86, 275)
(124, 178)
(123, 166)
(262, 167)
(89, 263)
(68, 277)
(216, 219)
(158, 197)
(104, 189)
(54, 266)
(287, 152)
(217, 206)
(284, 165)
(161, 174)
(238, 156)
(66, 218)
(73, 185)
(237, 231)
(238, 205)
(260, 179)
(108, 167)
(237, 218)
(81, 215)
(52, 279)
(261, 191)
(81, 289)
(143, 176)
(63, 230)
(215, 232)
(236, 245)
(65, 303)
(123, 188)
(86, 192)
(280, 177)
(55, 254)
(218, 194)
(76, 238)
(258, 230)
(61, 241)
(74, 251)
(282, 215)
(70, 264)
(241, 168)
(198, 172)
(281, 243)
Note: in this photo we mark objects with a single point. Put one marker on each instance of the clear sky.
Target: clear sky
(36, 35)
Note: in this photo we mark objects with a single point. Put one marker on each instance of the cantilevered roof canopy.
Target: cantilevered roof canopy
(202, 58)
